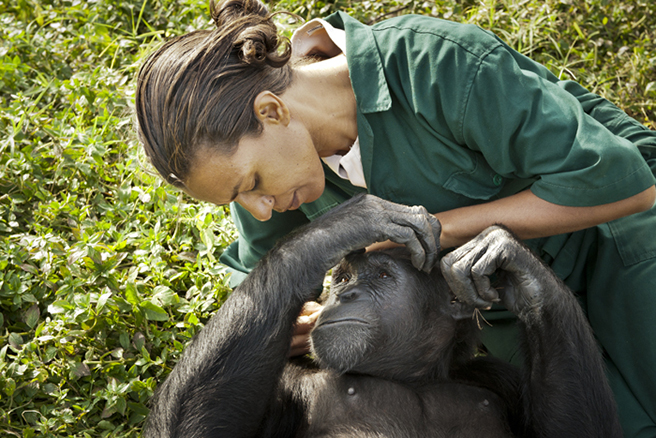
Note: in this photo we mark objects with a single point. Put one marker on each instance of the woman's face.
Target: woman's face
(278, 170)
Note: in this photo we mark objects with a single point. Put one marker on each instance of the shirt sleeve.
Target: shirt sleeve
(614, 119)
(527, 126)
(255, 239)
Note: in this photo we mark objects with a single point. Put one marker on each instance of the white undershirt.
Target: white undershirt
(316, 33)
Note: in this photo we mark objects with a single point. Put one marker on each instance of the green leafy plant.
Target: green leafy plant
(105, 272)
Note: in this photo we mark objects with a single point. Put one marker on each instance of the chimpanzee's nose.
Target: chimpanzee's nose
(349, 296)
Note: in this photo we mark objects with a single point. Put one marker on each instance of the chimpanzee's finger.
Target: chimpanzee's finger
(457, 271)
(436, 229)
(481, 270)
(408, 237)
(426, 229)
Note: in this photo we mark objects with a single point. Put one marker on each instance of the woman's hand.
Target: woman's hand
(378, 246)
(304, 324)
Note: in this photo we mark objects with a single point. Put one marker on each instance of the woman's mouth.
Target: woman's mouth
(295, 202)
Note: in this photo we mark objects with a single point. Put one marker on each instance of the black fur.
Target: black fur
(393, 347)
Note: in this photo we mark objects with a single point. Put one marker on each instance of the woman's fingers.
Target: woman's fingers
(310, 308)
(300, 344)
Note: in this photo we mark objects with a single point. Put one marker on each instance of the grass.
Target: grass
(106, 273)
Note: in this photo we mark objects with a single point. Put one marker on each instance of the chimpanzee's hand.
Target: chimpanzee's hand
(523, 276)
(367, 219)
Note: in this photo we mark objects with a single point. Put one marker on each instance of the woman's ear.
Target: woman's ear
(270, 108)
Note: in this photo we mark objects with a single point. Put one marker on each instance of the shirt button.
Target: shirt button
(497, 180)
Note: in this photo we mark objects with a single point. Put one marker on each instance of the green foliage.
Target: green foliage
(106, 273)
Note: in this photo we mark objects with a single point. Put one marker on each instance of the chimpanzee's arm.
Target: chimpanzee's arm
(226, 380)
(566, 393)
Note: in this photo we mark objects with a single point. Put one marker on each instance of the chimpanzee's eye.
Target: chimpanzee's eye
(383, 275)
(343, 279)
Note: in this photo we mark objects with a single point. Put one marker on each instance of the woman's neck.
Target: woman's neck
(322, 98)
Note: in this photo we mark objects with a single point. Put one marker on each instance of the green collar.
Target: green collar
(369, 83)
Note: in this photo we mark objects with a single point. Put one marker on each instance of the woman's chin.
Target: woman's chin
(314, 194)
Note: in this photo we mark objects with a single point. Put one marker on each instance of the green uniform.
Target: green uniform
(450, 116)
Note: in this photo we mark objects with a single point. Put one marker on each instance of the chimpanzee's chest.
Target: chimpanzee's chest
(361, 406)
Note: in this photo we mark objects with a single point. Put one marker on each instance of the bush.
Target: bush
(105, 272)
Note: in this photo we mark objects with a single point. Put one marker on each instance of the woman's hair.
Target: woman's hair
(199, 89)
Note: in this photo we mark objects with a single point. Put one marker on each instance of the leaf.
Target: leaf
(32, 315)
(10, 386)
(207, 237)
(102, 300)
(139, 341)
(154, 312)
(131, 294)
(29, 268)
(165, 295)
(106, 425)
(60, 306)
(124, 340)
(192, 319)
(578, 30)
(15, 340)
(79, 369)
(651, 89)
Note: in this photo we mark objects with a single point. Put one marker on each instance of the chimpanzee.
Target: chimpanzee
(394, 346)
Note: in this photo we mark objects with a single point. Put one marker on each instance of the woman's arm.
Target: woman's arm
(531, 217)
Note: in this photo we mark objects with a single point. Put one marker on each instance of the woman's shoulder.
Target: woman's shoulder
(468, 37)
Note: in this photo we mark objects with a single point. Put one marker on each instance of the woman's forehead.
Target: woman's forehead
(216, 177)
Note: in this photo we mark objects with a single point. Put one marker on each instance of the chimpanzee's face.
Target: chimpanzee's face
(370, 315)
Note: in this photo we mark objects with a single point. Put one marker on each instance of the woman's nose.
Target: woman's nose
(260, 206)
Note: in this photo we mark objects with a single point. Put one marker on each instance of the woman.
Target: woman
(418, 111)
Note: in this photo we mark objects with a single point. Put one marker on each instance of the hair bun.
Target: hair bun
(256, 39)
(224, 12)
(259, 45)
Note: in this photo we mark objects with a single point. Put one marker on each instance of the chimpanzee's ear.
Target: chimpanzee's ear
(448, 301)
(459, 310)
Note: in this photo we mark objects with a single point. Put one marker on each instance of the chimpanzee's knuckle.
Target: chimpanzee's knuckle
(455, 269)
(462, 270)
(493, 233)
(367, 200)
(420, 223)
(405, 233)
(499, 233)
(419, 210)
(446, 263)
(435, 223)
(478, 269)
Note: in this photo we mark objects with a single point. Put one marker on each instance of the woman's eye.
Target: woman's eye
(383, 275)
